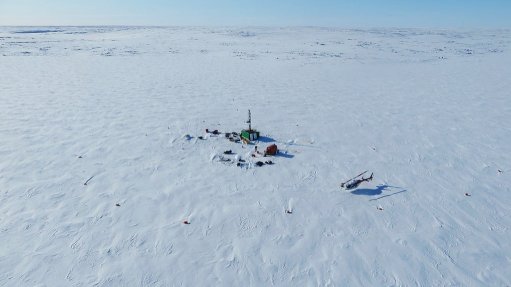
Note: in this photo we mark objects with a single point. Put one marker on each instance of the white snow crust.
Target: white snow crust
(429, 112)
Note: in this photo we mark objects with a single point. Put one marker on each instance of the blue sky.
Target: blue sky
(341, 13)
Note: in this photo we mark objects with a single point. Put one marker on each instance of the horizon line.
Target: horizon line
(262, 26)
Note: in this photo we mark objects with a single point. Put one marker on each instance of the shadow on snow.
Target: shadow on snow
(377, 191)
(264, 139)
(284, 154)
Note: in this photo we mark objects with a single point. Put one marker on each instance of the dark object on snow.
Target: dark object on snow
(215, 132)
(200, 137)
(88, 180)
(289, 211)
(268, 162)
(356, 181)
(467, 194)
(186, 222)
(228, 152)
(259, 163)
(241, 160)
(271, 150)
(233, 137)
(117, 204)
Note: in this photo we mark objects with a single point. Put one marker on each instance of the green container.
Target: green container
(249, 135)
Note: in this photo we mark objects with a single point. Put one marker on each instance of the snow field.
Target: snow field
(427, 111)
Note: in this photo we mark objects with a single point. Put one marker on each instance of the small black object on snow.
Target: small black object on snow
(215, 132)
(117, 204)
(228, 152)
(268, 162)
(259, 163)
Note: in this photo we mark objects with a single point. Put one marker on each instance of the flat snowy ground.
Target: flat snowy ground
(429, 112)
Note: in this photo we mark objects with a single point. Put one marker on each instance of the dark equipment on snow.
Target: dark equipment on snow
(356, 181)
(215, 132)
(233, 137)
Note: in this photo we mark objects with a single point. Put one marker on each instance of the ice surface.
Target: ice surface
(121, 109)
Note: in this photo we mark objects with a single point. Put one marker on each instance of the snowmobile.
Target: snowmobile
(356, 181)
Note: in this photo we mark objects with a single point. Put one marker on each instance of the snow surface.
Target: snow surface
(427, 111)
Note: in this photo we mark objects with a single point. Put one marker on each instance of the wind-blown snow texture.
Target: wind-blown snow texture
(428, 112)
